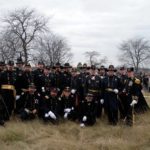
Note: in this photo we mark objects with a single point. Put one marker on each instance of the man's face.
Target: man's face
(40, 66)
(19, 66)
(122, 72)
(110, 73)
(27, 68)
(66, 69)
(89, 98)
(2, 67)
(57, 68)
(130, 74)
(46, 71)
(93, 71)
(10, 67)
(74, 73)
(67, 93)
(102, 71)
(32, 90)
(53, 94)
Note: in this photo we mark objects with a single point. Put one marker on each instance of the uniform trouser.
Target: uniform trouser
(99, 105)
(112, 107)
(1, 110)
(129, 111)
(73, 115)
(27, 116)
(9, 100)
(122, 106)
(91, 120)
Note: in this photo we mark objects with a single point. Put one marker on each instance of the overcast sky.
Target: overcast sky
(92, 25)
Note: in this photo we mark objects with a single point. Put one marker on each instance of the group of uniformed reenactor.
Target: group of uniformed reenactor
(82, 94)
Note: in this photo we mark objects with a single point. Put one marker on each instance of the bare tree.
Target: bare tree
(52, 48)
(93, 58)
(9, 46)
(25, 25)
(134, 52)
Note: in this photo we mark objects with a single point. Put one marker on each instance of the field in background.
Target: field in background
(36, 135)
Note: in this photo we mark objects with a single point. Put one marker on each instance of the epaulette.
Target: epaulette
(137, 81)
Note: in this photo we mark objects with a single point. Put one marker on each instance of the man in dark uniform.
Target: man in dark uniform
(111, 86)
(88, 111)
(68, 104)
(25, 80)
(2, 66)
(102, 72)
(56, 77)
(49, 106)
(8, 92)
(66, 82)
(19, 74)
(122, 94)
(2, 111)
(93, 85)
(133, 96)
(39, 79)
(81, 80)
(31, 103)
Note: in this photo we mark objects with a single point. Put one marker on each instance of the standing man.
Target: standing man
(111, 86)
(8, 92)
(39, 79)
(93, 85)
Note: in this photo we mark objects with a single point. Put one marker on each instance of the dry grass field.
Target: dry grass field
(36, 135)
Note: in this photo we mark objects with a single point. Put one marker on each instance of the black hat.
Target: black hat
(67, 65)
(41, 63)
(2, 63)
(47, 67)
(122, 68)
(111, 68)
(79, 65)
(130, 69)
(27, 65)
(93, 67)
(10, 63)
(102, 68)
(57, 64)
(84, 65)
(19, 61)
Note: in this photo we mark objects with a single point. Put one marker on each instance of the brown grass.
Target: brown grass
(36, 135)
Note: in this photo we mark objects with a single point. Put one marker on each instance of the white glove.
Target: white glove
(93, 78)
(27, 110)
(43, 89)
(84, 118)
(52, 115)
(102, 101)
(46, 115)
(67, 110)
(17, 97)
(82, 125)
(66, 115)
(133, 102)
(58, 89)
(73, 91)
(116, 91)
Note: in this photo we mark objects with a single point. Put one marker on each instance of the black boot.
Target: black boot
(2, 122)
